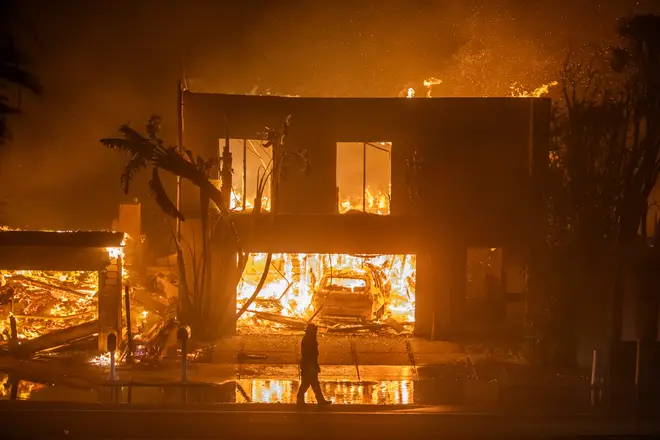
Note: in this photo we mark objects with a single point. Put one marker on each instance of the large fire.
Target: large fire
(45, 301)
(294, 279)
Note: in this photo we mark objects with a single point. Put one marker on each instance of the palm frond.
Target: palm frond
(134, 166)
(153, 127)
(134, 148)
(171, 161)
(160, 196)
(131, 134)
(188, 154)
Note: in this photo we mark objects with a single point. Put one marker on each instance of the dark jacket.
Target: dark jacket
(309, 355)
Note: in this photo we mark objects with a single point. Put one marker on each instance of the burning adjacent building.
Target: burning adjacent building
(398, 192)
(57, 287)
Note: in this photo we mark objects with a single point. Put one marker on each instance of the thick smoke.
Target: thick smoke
(107, 62)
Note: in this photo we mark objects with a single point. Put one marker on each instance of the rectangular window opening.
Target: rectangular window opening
(250, 162)
(364, 177)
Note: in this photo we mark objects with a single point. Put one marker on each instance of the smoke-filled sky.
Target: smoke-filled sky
(106, 62)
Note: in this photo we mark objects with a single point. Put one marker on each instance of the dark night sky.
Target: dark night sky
(106, 62)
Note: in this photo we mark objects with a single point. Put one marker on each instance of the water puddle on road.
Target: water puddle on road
(245, 391)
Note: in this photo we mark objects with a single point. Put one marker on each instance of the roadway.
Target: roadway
(45, 420)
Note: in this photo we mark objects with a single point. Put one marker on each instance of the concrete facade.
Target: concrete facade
(483, 161)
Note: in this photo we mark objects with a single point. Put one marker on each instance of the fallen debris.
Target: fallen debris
(56, 338)
(48, 285)
(43, 302)
(357, 328)
(243, 356)
(295, 323)
(393, 323)
(151, 302)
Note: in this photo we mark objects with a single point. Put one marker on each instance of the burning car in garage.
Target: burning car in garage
(359, 294)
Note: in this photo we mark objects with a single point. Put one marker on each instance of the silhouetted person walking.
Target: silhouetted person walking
(309, 367)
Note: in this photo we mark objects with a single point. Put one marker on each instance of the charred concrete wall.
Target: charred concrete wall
(484, 159)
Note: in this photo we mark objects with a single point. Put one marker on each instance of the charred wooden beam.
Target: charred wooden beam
(29, 280)
(355, 328)
(151, 303)
(285, 320)
(58, 318)
(56, 338)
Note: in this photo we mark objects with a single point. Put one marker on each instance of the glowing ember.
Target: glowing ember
(293, 280)
(411, 93)
(103, 360)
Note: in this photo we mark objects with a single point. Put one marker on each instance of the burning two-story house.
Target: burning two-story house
(410, 202)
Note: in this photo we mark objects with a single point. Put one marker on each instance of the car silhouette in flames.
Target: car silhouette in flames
(360, 294)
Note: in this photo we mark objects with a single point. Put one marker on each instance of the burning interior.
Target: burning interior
(341, 292)
(45, 301)
(53, 285)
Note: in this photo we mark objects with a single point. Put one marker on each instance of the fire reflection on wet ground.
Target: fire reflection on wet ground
(390, 392)
(452, 395)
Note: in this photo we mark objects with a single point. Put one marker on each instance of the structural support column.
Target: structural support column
(110, 301)
(440, 302)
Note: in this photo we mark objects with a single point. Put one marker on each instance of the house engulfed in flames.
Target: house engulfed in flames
(380, 226)
(59, 286)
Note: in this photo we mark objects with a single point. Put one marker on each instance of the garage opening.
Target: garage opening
(341, 293)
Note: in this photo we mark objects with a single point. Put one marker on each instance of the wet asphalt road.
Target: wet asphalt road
(284, 421)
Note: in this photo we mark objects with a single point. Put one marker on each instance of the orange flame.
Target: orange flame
(293, 279)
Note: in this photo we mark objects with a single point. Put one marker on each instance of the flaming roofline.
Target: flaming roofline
(363, 98)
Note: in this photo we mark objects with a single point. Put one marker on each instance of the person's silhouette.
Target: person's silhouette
(309, 367)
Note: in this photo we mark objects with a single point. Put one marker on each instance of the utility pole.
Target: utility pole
(179, 107)
(180, 147)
